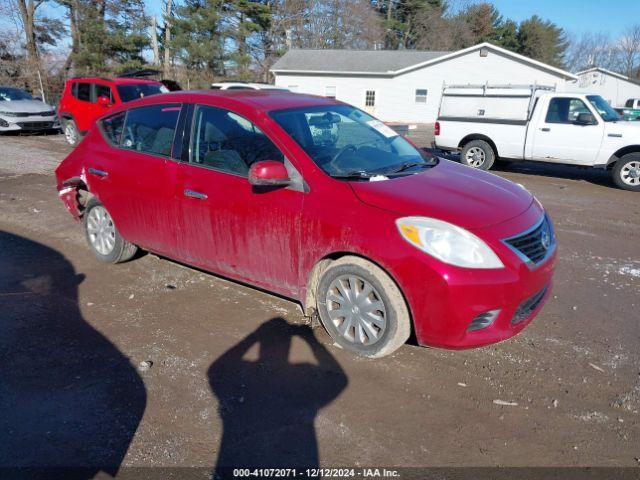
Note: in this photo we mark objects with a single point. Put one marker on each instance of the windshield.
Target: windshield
(135, 91)
(346, 142)
(605, 110)
(13, 94)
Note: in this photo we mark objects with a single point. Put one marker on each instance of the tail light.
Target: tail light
(436, 129)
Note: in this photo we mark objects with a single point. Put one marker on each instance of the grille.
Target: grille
(29, 114)
(527, 307)
(534, 245)
(35, 125)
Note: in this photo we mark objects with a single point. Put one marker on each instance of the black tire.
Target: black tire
(485, 156)
(71, 132)
(397, 323)
(121, 251)
(624, 172)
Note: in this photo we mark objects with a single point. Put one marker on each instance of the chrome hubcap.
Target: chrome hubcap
(356, 310)
(630, 173)
(475, 157)
(102, 232)
(70, 134)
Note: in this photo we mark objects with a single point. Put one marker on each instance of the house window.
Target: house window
(330, 91)
(421, 95)
(370, 98)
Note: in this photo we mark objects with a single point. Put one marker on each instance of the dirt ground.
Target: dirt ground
(233, 373)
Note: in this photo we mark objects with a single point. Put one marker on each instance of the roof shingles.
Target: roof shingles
(352, 61)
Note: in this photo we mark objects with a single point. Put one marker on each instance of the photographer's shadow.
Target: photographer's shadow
(70, 400)
(268, 405)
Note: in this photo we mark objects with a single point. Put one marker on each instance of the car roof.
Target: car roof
(116, 81)
(264, 100)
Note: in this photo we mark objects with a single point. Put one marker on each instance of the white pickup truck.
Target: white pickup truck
(487, 123)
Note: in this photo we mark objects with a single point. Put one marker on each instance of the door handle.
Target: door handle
(192, 194)
(545, 129)
(99, 173)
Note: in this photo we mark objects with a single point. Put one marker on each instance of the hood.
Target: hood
(25, 106)
(452, 192)
(630, 127)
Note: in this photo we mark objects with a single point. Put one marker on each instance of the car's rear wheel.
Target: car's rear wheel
(71, 132)
(362, 308)
(103, 237)
(626, 172)
(478, 154)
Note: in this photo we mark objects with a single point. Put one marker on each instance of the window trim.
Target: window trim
(426, 96)
(192, 136)
(126, 118)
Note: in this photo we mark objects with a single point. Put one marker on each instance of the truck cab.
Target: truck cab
(540, 125)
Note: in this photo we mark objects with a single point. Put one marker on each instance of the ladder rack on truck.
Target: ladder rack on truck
(487, 102)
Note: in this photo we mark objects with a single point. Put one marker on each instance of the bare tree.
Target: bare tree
(629, 50)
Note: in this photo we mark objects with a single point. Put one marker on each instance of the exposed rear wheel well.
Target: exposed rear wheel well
(478, 136)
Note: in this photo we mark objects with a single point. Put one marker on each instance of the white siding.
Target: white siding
(614, 90)
(395, 96)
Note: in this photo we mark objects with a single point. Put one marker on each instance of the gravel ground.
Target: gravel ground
(231, 370)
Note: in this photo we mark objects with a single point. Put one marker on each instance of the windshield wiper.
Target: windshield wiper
(406, 166)
(355, 174)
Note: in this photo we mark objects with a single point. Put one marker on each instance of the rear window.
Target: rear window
(135, 91)
(151, 129)
(629, 103)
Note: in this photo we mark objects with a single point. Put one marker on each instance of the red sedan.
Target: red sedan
(320, 202)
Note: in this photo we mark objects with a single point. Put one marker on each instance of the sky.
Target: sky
(576, 16)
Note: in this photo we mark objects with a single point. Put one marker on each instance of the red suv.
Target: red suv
(84, 100)
(318, 201)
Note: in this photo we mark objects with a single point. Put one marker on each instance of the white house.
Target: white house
(614, 87)
(405, 85)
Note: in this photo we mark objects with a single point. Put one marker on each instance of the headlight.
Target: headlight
(448, 243)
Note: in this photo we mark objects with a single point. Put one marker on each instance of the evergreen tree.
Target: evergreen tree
(542, 40)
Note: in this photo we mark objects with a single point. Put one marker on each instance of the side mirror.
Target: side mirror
(104, 101)
(585, 119)
(269, 173)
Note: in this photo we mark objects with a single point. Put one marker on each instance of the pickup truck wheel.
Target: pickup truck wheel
(103, 236)
(626, 172)
(478, 154)
(362, 308)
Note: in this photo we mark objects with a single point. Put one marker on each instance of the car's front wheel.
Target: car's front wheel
(362, 308)
(71, 132)
(103, 237)
(626, 172)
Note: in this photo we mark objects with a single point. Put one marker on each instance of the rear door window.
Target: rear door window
(83, 92)
(151, 129)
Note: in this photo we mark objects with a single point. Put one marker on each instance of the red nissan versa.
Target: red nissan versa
(320, 202)
(86, 99)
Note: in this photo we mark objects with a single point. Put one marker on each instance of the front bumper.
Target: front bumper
(445, 300)
(29, 123)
